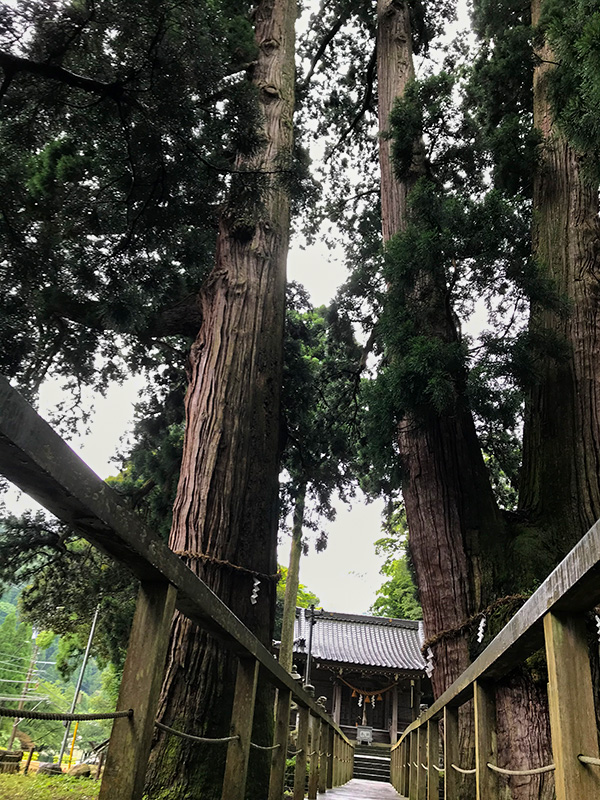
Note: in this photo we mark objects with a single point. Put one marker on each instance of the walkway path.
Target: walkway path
(357, 789)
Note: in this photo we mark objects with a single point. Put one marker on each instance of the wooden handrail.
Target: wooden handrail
(35, 458)
(574, 586)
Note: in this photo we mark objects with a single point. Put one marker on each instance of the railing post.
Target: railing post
(571, 703)
(421, 763)
(278, 759)
(242, 715)
(414, 755)
(302, 756)
(450, 752)
(322, 757)
(130, 741)
(313, 757)
(433, 759)
(405, 786)
(329, 740)
(485, 740)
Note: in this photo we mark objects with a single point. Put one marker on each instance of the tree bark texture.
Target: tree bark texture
(456, 531)
(560, 488)
(286, 648)
(225, 514)
(446, 488)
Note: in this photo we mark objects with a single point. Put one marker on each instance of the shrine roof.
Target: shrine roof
(355, 639)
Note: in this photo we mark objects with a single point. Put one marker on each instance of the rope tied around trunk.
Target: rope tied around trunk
(534, 771)
(449, 633)
(60, 716)
(201, 739)
(220, 562)
(463, 771)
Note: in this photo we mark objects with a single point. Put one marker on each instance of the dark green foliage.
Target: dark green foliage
(111, 189)
(320, 406)
(573, 30)
(66, 578)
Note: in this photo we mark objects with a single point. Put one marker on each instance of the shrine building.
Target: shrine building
(370, 669)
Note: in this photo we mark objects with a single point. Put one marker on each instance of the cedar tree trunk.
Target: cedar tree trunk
(226, 512)
(456, 531)
(286, 648)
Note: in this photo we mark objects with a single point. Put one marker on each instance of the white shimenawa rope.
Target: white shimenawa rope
(594, 762)
(463, 771)
(535, 771)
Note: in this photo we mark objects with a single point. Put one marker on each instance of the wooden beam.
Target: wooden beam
(485, 741)
(280, 740)
(451, 755)
(242, 716)
(43, 465)
(302, 756)
(433, 759)
(130, 740)
(571, 703)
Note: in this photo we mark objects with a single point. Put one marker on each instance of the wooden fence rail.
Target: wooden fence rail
(553, 618)
(40, 463)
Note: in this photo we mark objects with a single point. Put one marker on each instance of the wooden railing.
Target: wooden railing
(554, 618)
(39, 462)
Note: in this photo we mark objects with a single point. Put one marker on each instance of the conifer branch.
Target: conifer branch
(12, 64)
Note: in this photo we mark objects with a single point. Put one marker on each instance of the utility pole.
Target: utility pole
(78, 687)
(23, 697)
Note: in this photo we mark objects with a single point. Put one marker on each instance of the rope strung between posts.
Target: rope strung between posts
(264, 747)
(60, 716)
(594, 762)
(220, 562)
(189, 736)
(439, 769)
(536, 771)
(424, 767)
(463, 771)
(292, 753)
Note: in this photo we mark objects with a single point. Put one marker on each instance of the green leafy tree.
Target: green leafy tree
(304, 599)
(398, 595)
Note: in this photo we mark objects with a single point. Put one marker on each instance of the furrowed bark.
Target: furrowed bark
(226, 505)
(446, 489)
(560, 489)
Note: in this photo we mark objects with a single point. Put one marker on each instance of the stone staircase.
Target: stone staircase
(372, 762)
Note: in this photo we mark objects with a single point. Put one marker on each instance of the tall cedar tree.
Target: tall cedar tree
(456, 527)
(225, 514)
(133, 146)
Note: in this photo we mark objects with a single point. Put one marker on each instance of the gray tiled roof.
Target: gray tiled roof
(355, 639)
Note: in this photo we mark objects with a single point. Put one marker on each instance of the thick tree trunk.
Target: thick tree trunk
(560, 489)
(286, 648)
(456, 531)
(446, 489)
(225, 514)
